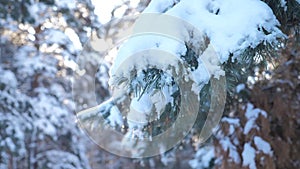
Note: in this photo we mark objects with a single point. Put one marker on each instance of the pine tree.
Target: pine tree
(243, 61)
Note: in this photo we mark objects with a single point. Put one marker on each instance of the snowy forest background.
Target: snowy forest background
(39, 47)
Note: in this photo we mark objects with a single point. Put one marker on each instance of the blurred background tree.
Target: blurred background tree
(38, 45)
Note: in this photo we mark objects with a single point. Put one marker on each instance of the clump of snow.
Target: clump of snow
(54, 36)
(262, 145)
(68, 4)
(146, 43)
(283, 4)
(115, 117)
(45, 126)
(159, 6)
(240, 87)
(203, 158)
(8, 78)
(167, 158)
(106, 108)
(233, 123)
(252, 114)
(250, 125)
(103, 9)
(232, 25)
(208, 67)
(227, 145)
(142, 104)
(10, 144)
(249, 156)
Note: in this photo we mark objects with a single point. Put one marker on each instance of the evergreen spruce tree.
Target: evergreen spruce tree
(249, 62)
